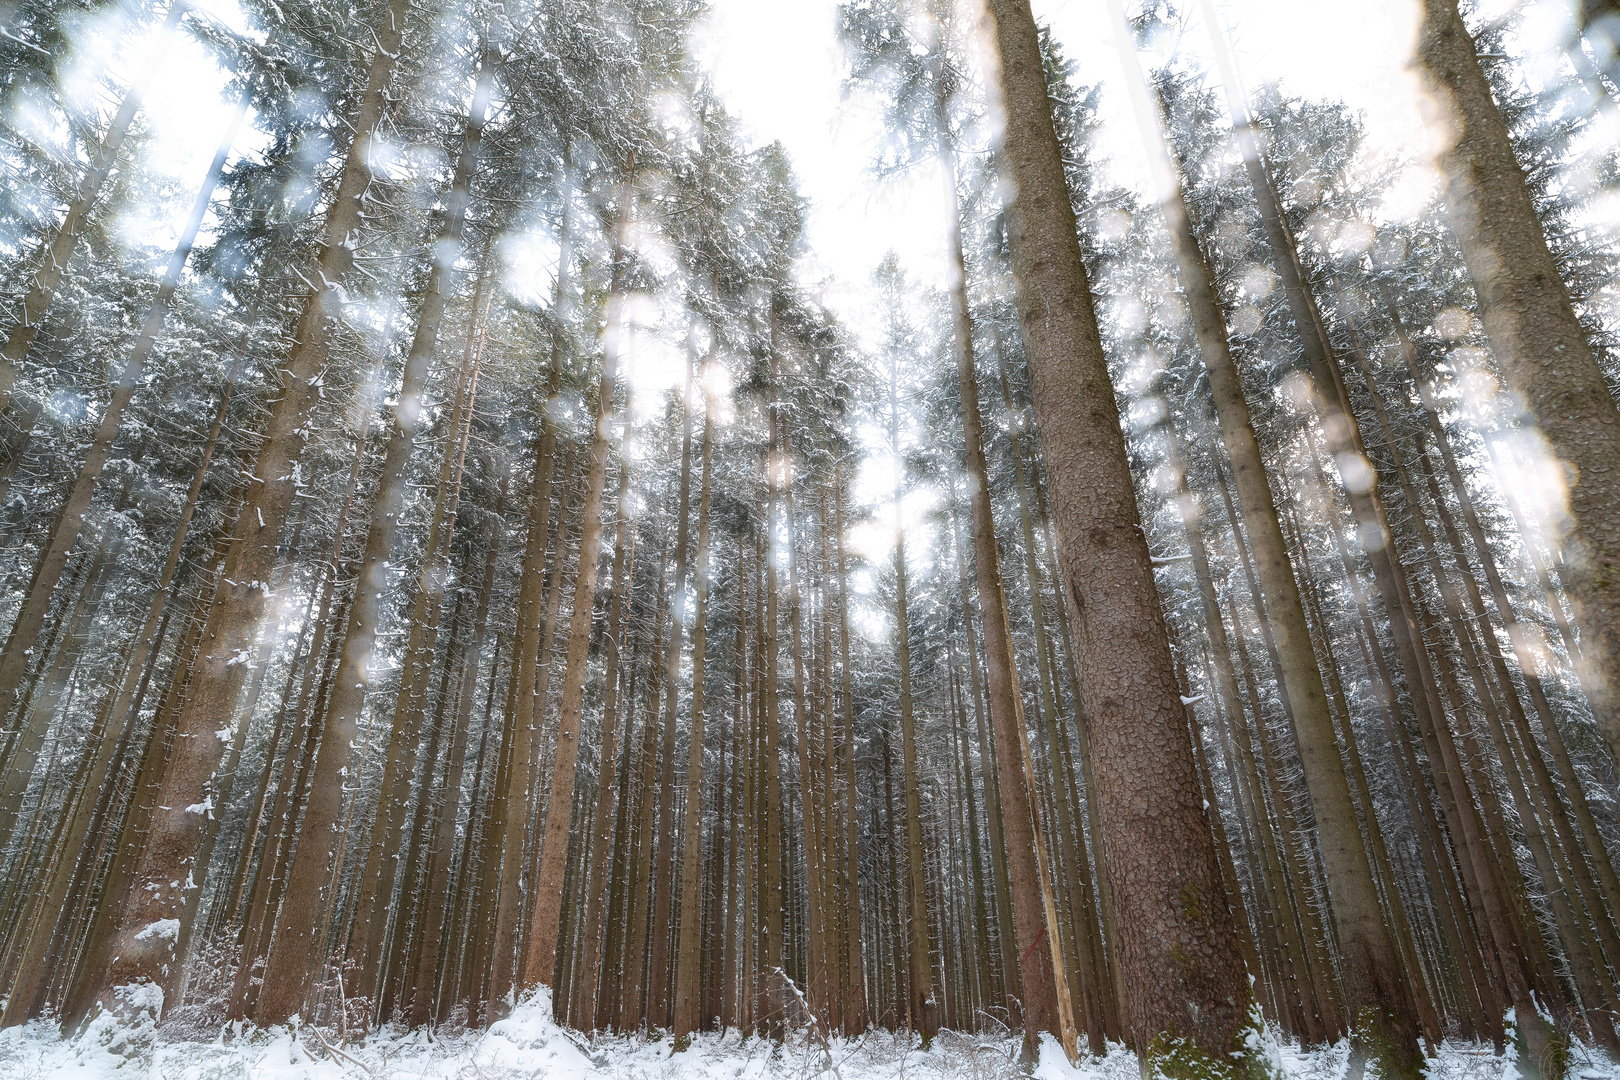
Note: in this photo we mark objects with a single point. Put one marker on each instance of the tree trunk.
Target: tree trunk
(856, 1015)
(1012, 988)
(688, 998)
(436, 907)
(1449, 880)
(132, 819)
(919, 937)
(584, 1012)
(1071, 839)
(730, 939)
(1376, 997)
(1046, 1002)
(1225, 684)
(541, 956)
(639, 871)
(258, 918)
(1591, 980)
(1590, 839)
(1183, 970)
(512, 791)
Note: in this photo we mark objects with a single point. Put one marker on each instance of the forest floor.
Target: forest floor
(529, 1046)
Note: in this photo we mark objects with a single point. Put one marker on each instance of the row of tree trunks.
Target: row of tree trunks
(295, 955)
(540, 956)
(149, 925)
(512, 788)
(1376, 997)
(70, 518)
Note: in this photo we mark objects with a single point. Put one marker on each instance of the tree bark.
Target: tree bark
(1376, 998)
(1183, 971)
(1043, 975)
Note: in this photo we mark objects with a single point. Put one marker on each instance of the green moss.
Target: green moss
(1190, 908)
(1371, 1037)
(1176, 1058)
(1556, 1062)
(1556, 1055)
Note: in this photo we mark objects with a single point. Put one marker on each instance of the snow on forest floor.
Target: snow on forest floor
(529, 1046)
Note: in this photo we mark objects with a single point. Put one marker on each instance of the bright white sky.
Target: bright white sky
(779, 68)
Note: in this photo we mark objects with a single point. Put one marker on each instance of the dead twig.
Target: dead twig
(335, 1052)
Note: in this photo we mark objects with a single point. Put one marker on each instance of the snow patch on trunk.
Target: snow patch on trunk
(161, 930)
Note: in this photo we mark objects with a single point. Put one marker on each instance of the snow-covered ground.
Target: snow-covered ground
(528, 1046)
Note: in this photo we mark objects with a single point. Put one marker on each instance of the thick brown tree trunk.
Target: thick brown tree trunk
(1076, 878)
(121, 714)
(1043, 974)
(1182, 967)
(128, 836)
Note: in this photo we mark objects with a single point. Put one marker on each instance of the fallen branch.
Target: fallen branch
(335, 1052)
